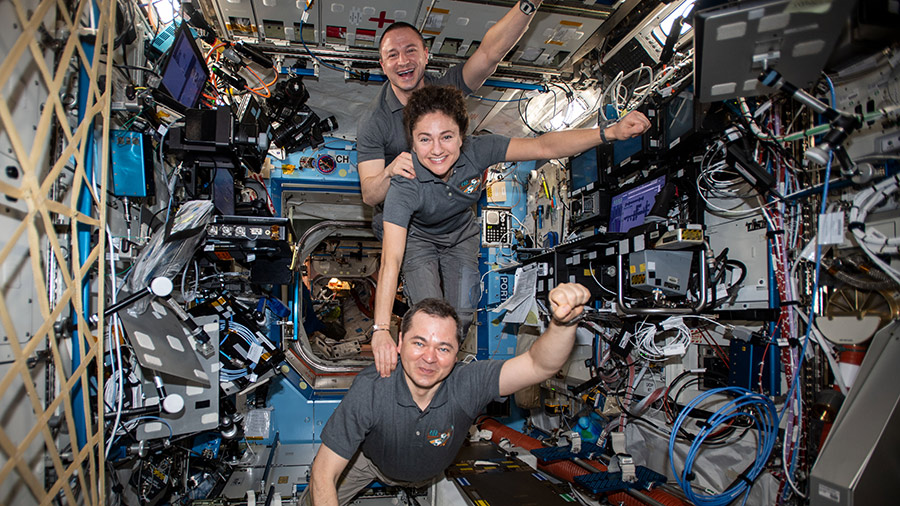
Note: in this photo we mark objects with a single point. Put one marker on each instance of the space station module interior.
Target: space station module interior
(189, 267)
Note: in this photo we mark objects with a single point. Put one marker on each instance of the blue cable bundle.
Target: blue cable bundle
(746, 403)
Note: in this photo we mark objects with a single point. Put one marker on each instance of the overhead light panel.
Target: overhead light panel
(568, 116)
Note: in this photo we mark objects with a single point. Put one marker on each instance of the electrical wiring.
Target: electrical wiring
(715, 347)
(213, 79)
(670, 414)
(263, 84)
(624, 98)
(718, 181)
(115, 328)
(136, 67)
(795, 439)
(189, 296)
(801, 355)
(719, 438)
(486, 99)
(784, 228)
(134, 422)
(253, 339)
(523, 115)
(745, 405)
(621, 100)
(645, 339)
(525, 229)
(867, 117)
(871, 240)
(607, 290)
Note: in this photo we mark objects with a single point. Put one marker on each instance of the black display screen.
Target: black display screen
(185, 72)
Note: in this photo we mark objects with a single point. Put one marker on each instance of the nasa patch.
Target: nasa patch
(470, 186)
(438, 438)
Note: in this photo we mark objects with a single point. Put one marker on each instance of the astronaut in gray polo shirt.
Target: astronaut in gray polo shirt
(406, 429)
(429, 228)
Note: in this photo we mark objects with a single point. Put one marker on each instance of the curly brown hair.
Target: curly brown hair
(445, 99)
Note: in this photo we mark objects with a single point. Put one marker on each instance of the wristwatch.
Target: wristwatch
(527, 7)
(603, 126)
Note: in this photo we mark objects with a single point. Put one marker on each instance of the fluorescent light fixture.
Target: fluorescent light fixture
(567, 116)
(661, 32)
(166, 10)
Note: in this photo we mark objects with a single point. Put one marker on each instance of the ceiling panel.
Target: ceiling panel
(453, 28)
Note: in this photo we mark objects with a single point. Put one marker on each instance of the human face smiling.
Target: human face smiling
(403, 60)
(437, 141)
(428, 352)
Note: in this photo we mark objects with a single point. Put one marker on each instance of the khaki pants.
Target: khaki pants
(360, 472)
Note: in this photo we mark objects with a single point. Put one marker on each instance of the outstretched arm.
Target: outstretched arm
(498, 40)
(326, 469)
(392, 249)
(375, 177)
(571, 142)
(548, 354)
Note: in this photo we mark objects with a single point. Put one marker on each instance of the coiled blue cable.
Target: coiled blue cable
(758, 408)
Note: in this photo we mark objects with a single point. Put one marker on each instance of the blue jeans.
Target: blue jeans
(428, 266)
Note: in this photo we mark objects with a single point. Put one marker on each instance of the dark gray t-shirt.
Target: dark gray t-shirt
(427, 206)
(406, 443)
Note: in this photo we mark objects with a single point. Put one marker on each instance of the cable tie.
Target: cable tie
(703, 424)
(793, 341)
(745, 479)
(690, 476)
(856, 225)
(772, 233)
(786, 303)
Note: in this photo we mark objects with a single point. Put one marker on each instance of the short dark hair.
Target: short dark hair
(438, 308)
(428, 99)
(396, 26)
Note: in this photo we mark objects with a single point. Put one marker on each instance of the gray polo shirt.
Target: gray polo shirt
(406, 443)
(428, 207)
(380, 133)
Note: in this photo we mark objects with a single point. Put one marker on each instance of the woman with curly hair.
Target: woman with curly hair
(430, 230)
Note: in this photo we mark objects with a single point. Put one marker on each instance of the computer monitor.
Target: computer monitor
(624, 150)
(584, 173)
(185, 72)
(735, 43)
(629, 208)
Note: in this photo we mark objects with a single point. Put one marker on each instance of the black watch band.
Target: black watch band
(527, 7)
